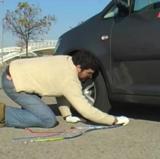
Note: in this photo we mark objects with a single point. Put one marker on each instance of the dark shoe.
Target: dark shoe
(2, 114)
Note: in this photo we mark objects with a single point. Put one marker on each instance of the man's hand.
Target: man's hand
(9, 77)
(72, 119)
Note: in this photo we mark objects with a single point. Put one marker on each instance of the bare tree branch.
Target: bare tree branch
(25, 22)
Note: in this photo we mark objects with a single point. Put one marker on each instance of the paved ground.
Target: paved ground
(138, 140)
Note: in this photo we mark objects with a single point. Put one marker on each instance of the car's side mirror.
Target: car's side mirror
(122, 5)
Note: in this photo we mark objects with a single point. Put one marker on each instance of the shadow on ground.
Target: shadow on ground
(144, 112)
(137, 111)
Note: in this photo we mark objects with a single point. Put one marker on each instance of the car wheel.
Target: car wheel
(96, 93)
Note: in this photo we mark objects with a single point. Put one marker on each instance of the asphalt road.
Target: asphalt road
(138, 140)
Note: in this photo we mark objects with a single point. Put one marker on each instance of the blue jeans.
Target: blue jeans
(33, 112)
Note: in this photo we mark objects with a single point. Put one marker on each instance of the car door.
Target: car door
(135, 50)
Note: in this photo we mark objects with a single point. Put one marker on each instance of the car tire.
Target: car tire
(96, 93)
(102, 100)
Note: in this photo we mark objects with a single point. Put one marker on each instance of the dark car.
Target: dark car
(125, 37)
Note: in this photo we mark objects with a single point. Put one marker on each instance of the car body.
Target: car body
(125, 37)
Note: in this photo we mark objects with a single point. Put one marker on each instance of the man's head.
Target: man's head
(86, 64)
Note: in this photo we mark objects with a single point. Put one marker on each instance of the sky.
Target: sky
(68, 13)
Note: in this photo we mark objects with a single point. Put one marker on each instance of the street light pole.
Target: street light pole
(2, 32)
(2, 40)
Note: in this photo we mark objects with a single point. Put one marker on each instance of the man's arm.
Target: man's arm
(73, 93)
(64, 108)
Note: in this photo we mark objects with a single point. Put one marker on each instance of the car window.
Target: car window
(140, 4)
(125, 2)
(111, 13)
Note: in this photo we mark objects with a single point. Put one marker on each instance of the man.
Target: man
(25, 80)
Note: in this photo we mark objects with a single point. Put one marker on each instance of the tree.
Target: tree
(26, 23)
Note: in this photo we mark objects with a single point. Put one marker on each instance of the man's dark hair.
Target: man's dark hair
(86, 60)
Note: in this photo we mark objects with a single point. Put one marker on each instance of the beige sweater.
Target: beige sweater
(55, 76)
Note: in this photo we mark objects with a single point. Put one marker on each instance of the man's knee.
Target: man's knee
(50, 122)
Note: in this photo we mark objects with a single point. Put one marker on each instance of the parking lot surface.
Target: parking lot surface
(138, 140)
